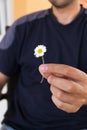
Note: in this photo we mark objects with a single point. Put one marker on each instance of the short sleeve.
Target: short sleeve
(8, 52)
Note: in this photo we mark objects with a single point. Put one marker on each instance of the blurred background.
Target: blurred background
(10, 10)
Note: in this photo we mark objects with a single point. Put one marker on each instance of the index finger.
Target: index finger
(62, 70)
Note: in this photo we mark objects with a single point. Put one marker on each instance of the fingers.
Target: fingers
(68, 86)
(62, 71)
(66, 97)
(70, 108)
(65, 84)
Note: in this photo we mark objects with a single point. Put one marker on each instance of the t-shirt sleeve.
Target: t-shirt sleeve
(8, 52)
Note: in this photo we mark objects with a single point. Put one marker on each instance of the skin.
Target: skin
(68, 85)
(60, 3)
(65, 11)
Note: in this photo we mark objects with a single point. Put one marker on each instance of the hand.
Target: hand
(67, 84)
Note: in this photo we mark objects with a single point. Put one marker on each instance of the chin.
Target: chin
(60, 3)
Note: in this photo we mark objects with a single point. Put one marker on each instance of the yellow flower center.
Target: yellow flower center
(40, 51)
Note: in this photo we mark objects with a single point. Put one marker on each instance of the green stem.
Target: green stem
(42, 76)
(43, 60)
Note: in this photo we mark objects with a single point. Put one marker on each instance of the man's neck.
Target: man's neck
(68, 14)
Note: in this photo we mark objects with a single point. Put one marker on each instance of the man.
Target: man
(57, 99)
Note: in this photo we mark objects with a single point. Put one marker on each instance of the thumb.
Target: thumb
(43, 71)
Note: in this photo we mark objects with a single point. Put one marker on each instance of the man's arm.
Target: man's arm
(3, 80)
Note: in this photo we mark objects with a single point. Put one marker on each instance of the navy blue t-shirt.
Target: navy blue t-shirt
(31, 107)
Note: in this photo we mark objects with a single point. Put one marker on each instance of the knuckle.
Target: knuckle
(67, 71)
(71, 88)
(60, 95)
(60, 105)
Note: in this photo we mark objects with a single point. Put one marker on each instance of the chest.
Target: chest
(62, 47)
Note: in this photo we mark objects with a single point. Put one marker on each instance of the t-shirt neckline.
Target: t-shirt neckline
(67, 25)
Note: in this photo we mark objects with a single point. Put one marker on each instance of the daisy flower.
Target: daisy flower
(39, 51)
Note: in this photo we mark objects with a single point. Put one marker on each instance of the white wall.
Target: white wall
(6, 14)
(10, 11)
(2, 16)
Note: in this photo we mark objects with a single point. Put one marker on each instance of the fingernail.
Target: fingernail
(43, 68)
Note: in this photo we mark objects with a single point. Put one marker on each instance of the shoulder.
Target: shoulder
(18, 27)
(32, 17)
